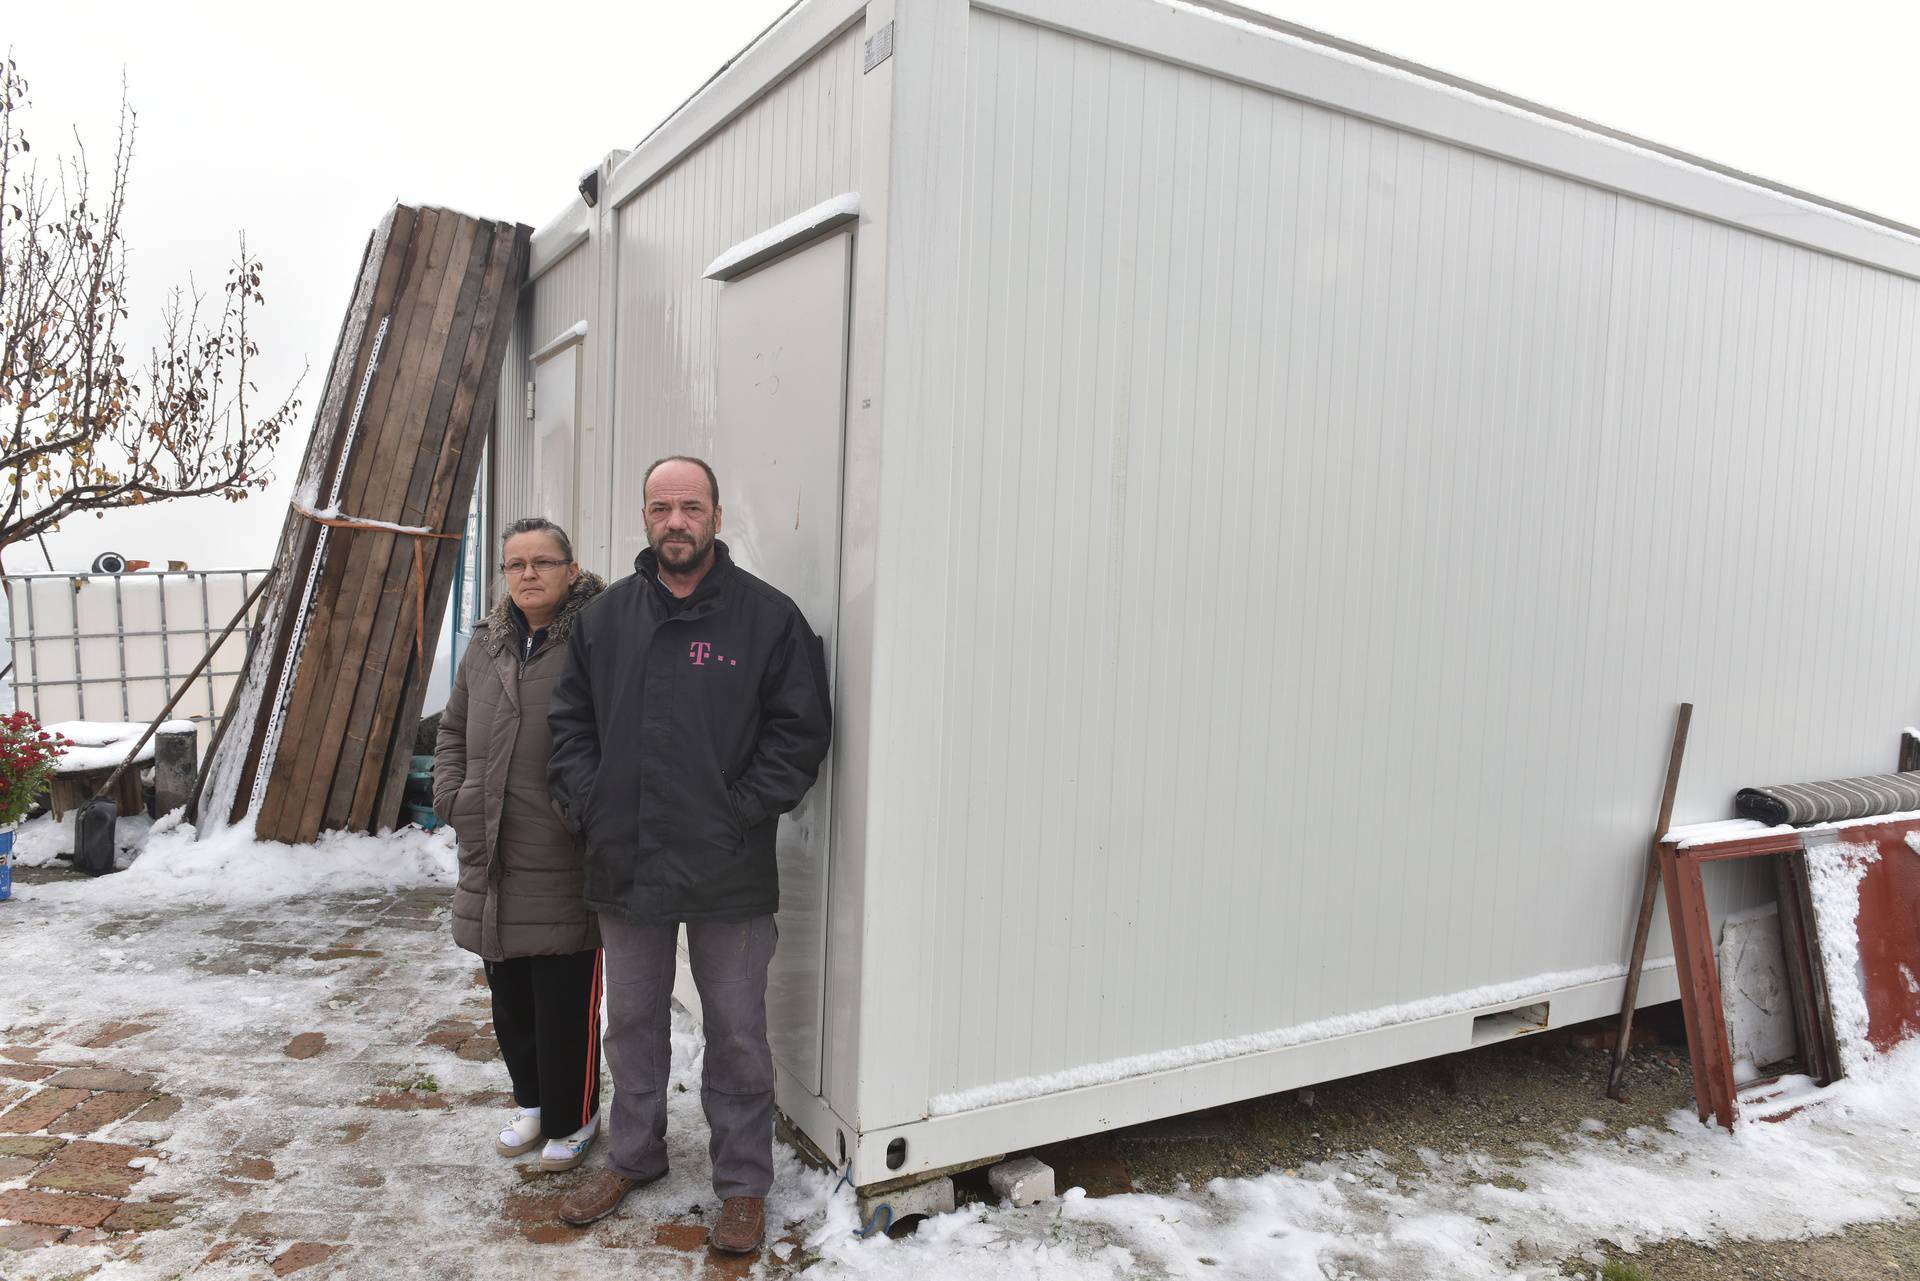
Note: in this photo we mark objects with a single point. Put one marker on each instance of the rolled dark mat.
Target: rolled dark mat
(1832, 802)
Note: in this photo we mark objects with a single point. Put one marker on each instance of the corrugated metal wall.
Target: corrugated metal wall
(1337, 517)
(560, 299)
(793, 148)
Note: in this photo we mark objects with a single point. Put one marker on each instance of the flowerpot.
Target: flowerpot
(6, 862)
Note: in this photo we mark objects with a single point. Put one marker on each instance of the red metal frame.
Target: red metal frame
(1890, 941)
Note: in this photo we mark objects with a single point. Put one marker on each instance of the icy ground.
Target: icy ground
(203, 962)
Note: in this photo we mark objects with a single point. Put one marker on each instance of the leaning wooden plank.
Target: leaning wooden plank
(226, 778)
(347, 624)
(1806, 971)
(322, 642)
(445, 504)
(336, 698)
(314, 659)
(400, 610)
(330, 641)
(465, 476)
(342, 708)
(376, 682)
(391, 572)
(433, 505)
(228, 773)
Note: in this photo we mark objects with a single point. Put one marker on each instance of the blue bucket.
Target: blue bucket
(6, 864)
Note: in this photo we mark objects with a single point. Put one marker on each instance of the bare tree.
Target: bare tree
(80, 430)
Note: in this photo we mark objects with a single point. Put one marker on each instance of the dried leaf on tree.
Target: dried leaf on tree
(81, 429)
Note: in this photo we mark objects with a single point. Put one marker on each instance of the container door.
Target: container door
(782, 362)
(555, 411)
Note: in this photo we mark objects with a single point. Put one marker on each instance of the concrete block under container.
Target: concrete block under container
(1024, 1180)
(935, 1196)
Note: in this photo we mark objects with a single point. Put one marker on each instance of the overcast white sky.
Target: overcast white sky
(300, 124)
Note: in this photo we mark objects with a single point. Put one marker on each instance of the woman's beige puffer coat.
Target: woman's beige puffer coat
(520, 891)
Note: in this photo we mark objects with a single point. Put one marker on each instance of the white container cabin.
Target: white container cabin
(1264, 503)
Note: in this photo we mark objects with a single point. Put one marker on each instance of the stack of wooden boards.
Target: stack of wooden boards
(321, 727)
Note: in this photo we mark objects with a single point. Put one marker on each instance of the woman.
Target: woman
(519, 902)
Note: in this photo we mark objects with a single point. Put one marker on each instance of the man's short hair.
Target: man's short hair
(713, 482)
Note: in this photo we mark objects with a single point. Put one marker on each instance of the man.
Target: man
(692, 714)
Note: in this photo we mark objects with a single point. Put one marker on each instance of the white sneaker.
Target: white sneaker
(521, 1135)
(564, 1154)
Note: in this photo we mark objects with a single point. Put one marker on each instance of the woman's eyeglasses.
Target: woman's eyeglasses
(545, 565)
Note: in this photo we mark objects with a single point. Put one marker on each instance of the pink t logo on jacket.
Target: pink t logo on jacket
(698, 652)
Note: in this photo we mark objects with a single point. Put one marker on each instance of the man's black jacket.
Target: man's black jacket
(682, 730)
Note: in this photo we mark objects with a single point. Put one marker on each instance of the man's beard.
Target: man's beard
(681, 556)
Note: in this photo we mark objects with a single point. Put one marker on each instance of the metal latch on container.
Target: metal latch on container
(879, 48)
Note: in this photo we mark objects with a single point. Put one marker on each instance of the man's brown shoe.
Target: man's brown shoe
(598, 1197)
(741, 1227)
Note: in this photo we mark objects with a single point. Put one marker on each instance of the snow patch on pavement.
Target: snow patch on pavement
(229, 866)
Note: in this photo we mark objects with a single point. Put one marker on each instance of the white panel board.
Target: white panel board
(795, 146)
(782, 358)
(1323, 525)
(1285, 503)
(550, 307)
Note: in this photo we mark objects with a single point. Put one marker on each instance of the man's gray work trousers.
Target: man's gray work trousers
(729, 960)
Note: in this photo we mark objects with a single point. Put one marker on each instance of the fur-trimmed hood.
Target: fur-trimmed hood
(496, 630)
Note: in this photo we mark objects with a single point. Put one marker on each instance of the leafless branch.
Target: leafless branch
(80, 429)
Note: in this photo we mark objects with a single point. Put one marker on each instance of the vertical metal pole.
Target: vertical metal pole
(31, 650)
(120, 632)
(246, 633)
(206, 632)
(166, 637)
(1648, 889)
(73, 611)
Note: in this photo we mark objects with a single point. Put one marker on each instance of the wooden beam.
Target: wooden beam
(475, 407)
(380, 603)
(443, 508)
(447, 286)
(273, 629)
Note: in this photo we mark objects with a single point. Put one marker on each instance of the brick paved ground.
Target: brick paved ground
(339, 1123)
(310, 1086)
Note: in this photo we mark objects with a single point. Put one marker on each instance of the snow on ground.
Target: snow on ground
(38, 842)
(1467, 1217)
(229, 866)
(228, 950)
